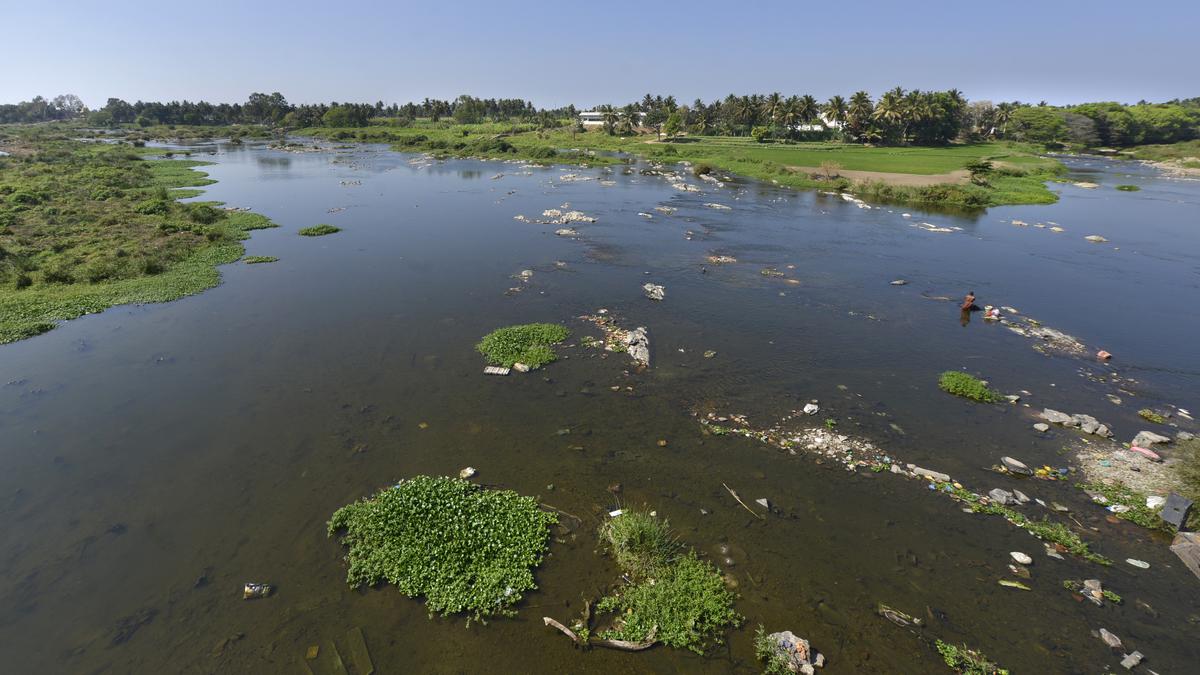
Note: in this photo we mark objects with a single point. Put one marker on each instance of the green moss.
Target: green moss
(640, 543)
(258, 259)
(962, 384)
(319, 230)
(465, 548)
(686, 605)
(529, 343)
(967, 661)
(1151, 416)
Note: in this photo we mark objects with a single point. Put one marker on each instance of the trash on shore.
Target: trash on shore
(495, 370)
(253, 591)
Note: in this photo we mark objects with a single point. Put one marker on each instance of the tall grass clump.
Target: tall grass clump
(465, 548)
(962, 384)
(640, 543)
(529, 343)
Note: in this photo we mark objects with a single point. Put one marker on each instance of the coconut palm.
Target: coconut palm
(610, 118)
(835, 109)
(858, 115)
(807, 109)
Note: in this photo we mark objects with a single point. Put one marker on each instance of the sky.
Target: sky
(587, 53)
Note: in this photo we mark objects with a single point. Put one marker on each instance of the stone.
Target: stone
(1056, 417)
(1103, 431)
(1013, 398)
(637, 343)
(1184, 436)
(1042, 427)
(1186, 546)
(1086, 423)
(1022, 558)
(1095, 239)
(1001, 497)
(796, 653)
(1053, 552)
(1016, 466)
(654, 291)
(1021, 497)
(811, 408)
(935, 476)
(1109, 639)
(1175, 510)
(1145, 439)
(1131, 660)
(521, 367)
(899, 282)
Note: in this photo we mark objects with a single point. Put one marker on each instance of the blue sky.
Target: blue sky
(595, 52)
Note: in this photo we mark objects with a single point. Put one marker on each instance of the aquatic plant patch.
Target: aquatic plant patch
(686, 606)
(464, 548)
(964, 385)
(259, 259)
(319, 230)
(1128, 188)
(530, 344)
(640, 543)
(966, 661)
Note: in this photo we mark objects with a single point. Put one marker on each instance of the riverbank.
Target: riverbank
(902, 175)
(84, 227)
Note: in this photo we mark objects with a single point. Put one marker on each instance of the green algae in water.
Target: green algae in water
(259, 259)
(465, 548)
(319, 230)
(966, 386)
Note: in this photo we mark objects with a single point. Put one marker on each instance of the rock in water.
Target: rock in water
(1109, 639)
(1145, 439)
(1016, 466)
(1001, 497)
(654, 291)
(899, 282)
(637, 343)
(1022, 558)
(1056, 417)
(1042, 427)
(811, 408)
(1095, 239)
(796, 653)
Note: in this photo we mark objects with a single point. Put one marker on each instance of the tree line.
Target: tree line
(897, 117)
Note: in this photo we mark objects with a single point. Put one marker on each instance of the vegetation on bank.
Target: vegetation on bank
(86, 226)
(319, 230)
(1187, 153)
(465, 548)
(1045, 529)
(964, 385)
(531, 344)
(672, 597)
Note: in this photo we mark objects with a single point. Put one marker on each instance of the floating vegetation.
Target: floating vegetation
(259, 259)
(961, 384)
(530, 344)
(319, 230)
(1128, 188)
(465, 548)
(967, 661)
(1132, 503)
(1151, 416)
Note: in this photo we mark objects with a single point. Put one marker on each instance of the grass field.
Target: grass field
(1186, 153)
(1019, 179)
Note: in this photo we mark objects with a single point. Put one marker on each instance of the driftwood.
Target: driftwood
(624, 645)
(756, 514)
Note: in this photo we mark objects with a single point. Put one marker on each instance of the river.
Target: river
(154, 458)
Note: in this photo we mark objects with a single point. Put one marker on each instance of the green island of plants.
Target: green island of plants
(1151, 416)
(86, 226)
(530, 344)
(319, 230)
(465, 548)
(673, 595)
(964, 385)
(967, 661)
(259, 259)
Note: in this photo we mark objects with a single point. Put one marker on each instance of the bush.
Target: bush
(962, 384)
(205, 214)
(529, 344)
(156, 206)
(641, 544)
(702, 169)
(319, 230)
(466, 549)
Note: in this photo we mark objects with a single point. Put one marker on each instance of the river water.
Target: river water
(154, 458)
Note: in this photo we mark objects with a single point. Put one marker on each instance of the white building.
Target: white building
(595, 118)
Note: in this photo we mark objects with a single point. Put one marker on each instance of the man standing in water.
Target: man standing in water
(968, 306)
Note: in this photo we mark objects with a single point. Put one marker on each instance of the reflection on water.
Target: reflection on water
(157, 457)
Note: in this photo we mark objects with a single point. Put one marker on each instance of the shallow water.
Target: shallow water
(147, 447)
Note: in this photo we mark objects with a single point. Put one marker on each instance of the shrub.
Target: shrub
(529, 344)
(205, 214)
(774, 662)
(702, 169)
(155, 206)
(962, 384)
(641, 544)
(319, 230)
(466, 549)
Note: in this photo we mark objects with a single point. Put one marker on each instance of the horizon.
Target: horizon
(551, 61)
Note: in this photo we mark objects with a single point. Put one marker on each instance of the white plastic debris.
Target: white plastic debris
(467, 473)
(614, 514)
(1138, 563)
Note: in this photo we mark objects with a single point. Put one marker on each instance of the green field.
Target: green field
(1187, 153)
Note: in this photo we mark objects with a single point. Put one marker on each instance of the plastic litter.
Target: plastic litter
(1103, 355)
(252, 591)
(1142, 564)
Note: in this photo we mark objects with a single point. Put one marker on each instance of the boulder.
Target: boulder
(1017, 466)
(1001, 497)
(1056, 417)
(795, 652)
(1145, 439)
(654, 291)
(637, 343)
(1042, 427)
(935, 476)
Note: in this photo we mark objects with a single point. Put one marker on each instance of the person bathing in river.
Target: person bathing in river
(969, 302)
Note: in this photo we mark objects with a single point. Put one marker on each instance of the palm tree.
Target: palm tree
(629, 118)
(890, 111)
(859, 113)
(835, 109)
(771, 107)
(789, 114)
(1004, 113)
(746, 110)
(807, 109)
(609, 117)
